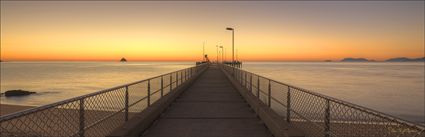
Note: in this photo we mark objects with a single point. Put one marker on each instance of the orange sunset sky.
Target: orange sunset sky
(175, 31)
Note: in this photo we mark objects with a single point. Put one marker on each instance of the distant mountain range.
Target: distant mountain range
(404, 59)
(354, 60)
(399, 59)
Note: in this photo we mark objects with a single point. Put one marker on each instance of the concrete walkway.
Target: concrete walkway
(211, 107)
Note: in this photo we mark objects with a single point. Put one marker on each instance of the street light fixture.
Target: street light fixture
(233, 43)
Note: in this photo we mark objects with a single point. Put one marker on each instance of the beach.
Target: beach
(8, 109)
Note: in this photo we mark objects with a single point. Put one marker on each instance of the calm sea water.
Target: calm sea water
(394, 88)
(55, 81)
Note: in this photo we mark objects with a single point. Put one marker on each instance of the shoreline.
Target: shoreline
(10, 108)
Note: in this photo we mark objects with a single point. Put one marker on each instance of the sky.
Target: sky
(177, 30)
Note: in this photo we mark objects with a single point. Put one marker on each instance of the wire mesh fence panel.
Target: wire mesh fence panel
(254, 86)
(104, 108)
(155, 85)
(249, 82)
(166, 84)
(137, 96)
(183, 76)
(319, 115)
(155, 89)
(61, 120)
(106, 126)
(174, 80)
(351, 121)
(264, 89)
(263, 97)
(243, 78)
(180, 77)
(308, 107)
(279, 95)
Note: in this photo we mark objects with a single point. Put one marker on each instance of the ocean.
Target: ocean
(56, 81)
(393, 88)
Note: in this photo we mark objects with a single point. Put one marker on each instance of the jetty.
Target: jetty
(206, 100)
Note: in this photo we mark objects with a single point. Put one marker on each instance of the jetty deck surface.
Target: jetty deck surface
(209, 107)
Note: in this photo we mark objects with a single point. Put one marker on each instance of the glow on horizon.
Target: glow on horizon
(175, 31)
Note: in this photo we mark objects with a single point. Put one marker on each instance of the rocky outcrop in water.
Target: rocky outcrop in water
(11, 93)
(123, 60)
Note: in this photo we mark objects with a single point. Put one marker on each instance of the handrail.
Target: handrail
(308, 105)
(93, 109)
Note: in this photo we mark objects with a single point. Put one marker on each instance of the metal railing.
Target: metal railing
(95, 114)
(320, 115)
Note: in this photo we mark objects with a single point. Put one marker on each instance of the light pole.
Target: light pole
(233, 43)
(216, 55)
(225, 55)
(222, 54)
(236, 54)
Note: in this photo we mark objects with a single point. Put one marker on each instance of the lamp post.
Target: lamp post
(236, 54)
(222, 54)
(233, 43)
(216, 55)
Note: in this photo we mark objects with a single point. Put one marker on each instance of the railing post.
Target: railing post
(177, 78)
(171, 81)
(258, 86)
(126, 103)
(250, 82)
(82, 118)
(245, 79)
(240, 77)
(270, 92)
(149, 92)
(162, 86)
(288, 105)
(234, 74)
(327, 119)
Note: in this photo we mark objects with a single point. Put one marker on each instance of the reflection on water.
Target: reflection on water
(55, 81)
(394, 88)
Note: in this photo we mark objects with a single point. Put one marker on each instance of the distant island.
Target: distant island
(398, 59)
(404, 59)
(123, 60)
(354, 60)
